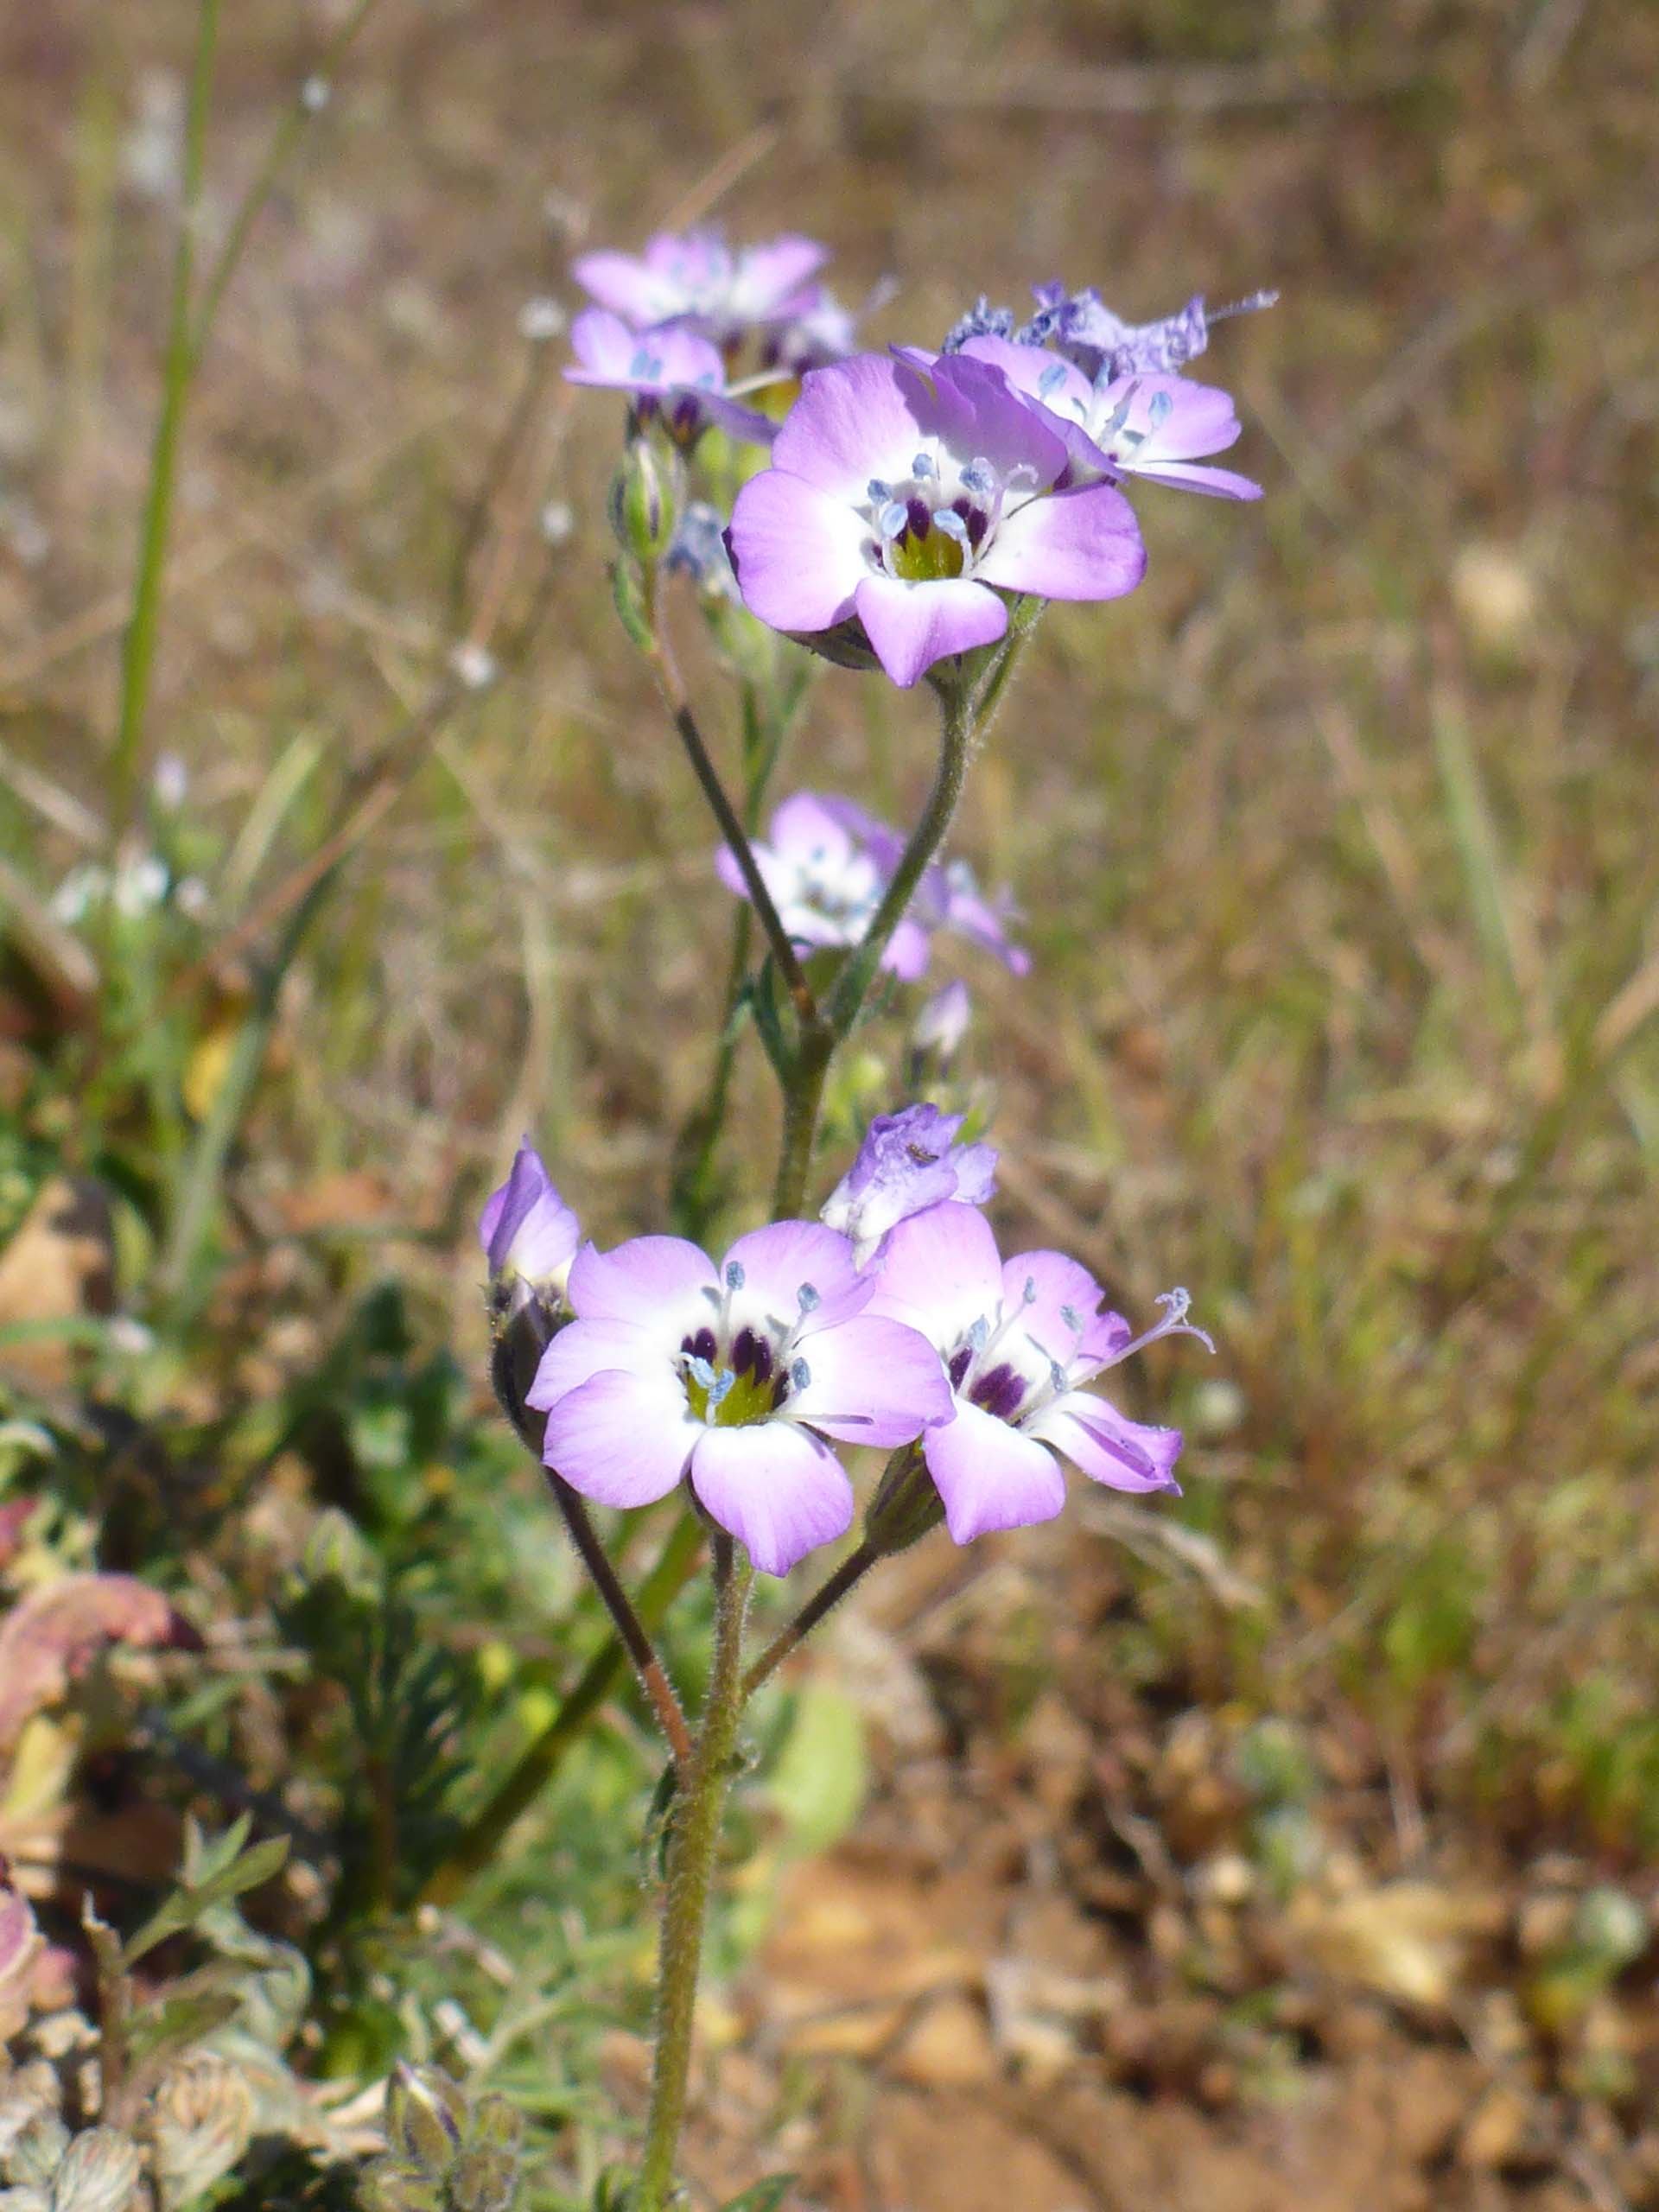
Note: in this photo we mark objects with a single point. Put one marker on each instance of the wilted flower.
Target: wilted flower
(908, 1161)
(695, 278)
(911, 494)
(1134, 425)
(698, 551)
(670, 372)
(826, 863)
(1018, 1337)
(1102, 343)
(734, 1377)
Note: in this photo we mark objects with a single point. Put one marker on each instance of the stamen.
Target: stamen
(811, 1300)
(734, 1275)
(1052, 378)
(1176, 1305)
(951, 523)
(800, 1375)
(893, 518)
(922, 466)
(1251, 305)
(877, 492)
(1072, 1319)
(1158, 409)
(978, 476)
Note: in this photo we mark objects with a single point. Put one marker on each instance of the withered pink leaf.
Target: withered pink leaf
(56, 1631)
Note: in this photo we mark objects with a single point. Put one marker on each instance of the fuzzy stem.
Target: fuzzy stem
(829, 1594)
(692, 1849)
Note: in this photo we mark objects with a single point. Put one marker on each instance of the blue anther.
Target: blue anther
(947, 520)
(893, 518)
(800, 1375)
(811, 1300)
(735, 1275)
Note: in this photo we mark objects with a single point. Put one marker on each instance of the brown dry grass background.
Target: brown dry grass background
(1336, 842)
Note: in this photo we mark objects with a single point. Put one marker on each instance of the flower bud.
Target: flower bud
(201, 2119)
(399, 2185)
(426, 2117)
(645, 501)
(99, 2173)
(907, 1506)
(38, 2151)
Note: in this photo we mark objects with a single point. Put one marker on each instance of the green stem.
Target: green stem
(139, 650)
(959, 727)
(178, 1274)
(483, 1837)
(692, 1849)
(803, 1102)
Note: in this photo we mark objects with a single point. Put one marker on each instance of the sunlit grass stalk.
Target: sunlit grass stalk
(139, 650)
(189, 327)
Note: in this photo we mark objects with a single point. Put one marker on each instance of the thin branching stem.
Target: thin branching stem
(631, 1629)
(829, 1594)
(675, 697)
(542, 1759)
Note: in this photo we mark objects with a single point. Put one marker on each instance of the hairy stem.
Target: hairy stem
(635, 1638)
(692, 1848)
(829, 1594)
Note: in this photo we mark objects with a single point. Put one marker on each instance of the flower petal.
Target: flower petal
(1194, 476)
(621, 283)
(781, 1261)
(1109, 1448)
(639, 1280)
(855, 419)
(1167, 418)
(909, 949)
(584, 1349)
(621, 1439)
(872, 1381)
(799, 553)
(940, 1273)
(776, 1488)
(1063, 1314)
(990, 1475)
(911, 626)
(1083, 543)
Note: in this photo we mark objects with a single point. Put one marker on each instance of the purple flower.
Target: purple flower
(670, 371)
(1017, 1338)
(907, 1162)
(827, 864)
(1133, 425)
(913, 497)
(733, 1376)
(696, 276)
(526, 1229)
(942, 1022)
